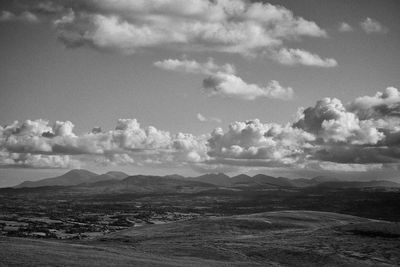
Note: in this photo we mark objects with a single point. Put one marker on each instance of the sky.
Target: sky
(286, 88)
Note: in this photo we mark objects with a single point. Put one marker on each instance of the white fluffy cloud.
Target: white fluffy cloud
(38, 144)
(229, 26)
(331, 121)
(192, 66)
(382, 104)
(372, 26)
(230, 85)
(299, 56)
(365, 131)
(362, 134)
(253, 142)
(223, 81)
(28, 160)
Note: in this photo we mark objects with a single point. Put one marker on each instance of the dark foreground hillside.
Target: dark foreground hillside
(284, 238)
(142, 221)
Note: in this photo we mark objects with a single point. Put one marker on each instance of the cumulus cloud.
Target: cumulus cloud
(299, 56)
(255, 143)
(365, 131)
(331, 121)
(37, 143)
(223, 81)
(382, 104)
(230, 85)
(345, 27)
(28, 160)
(371, 26)
(200, 117)
(363, 134)
(229, 26)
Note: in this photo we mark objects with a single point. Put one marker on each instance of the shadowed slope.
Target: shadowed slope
(73, 177)
(145, 184)
(284, 238)
(288, 238)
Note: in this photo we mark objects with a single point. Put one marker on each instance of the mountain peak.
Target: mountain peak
(80, 172)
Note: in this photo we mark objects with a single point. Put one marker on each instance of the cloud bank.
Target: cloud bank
(228, 26)
(360, 135)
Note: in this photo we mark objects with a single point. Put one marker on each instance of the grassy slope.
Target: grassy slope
(288, 238)
(38, 252)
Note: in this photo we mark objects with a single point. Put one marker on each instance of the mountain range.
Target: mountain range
(74, 177)
(119, 182)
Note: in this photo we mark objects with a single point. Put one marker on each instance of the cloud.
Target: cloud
(192, 66)
(222, 80)
(116, 160)
(340, 167)
(383, 104)
(25, 16)
(228, 26)
(364, 131)
(345, 27)
(37, 143)
(28, 160)
(298, 56)
(258, 144)
(200, 117)
(360, 135)
(371, 26)
(330, 121)
(230, 85)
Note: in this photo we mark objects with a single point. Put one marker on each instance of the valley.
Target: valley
(177, 221)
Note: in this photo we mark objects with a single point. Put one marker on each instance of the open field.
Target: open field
(217, 227)
(285, 238)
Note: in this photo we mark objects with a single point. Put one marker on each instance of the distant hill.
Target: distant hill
(243, 180)
(353, 184)
(121, 182)
(218, 179)
(324, 179)
(303, 182)
(74, 177)
(108, 176)
(146, 184)
(273, 181)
